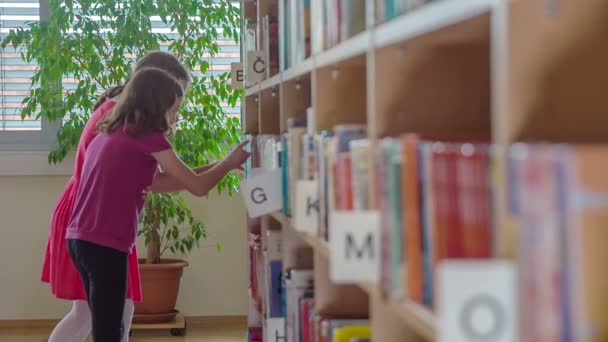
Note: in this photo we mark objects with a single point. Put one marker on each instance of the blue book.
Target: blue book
(427, 255)
(397, 231)
(275, 296)
(285, 174)
(284, 278)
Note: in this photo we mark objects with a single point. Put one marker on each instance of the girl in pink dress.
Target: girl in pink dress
(58, 269)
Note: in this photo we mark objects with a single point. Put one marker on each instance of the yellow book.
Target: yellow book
(345, 334)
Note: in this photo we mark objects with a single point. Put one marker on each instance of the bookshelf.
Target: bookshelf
(501, 71)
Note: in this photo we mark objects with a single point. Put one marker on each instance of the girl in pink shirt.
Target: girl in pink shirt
(58, 269)
(120, 167)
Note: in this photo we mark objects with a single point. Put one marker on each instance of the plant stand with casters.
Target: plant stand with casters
(176, 327)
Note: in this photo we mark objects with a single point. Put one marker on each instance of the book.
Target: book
(275, 289)
(295, 130)
(309, 162)
(395, 218)
(382, 174)
(297, 283)
(306, 306)
(427, 236)
(331, 23)
(271, 45)
(343, 188)
(254, 335)
(323, 177)
(317, 27)
(585, 170)
(346, 333)
(284, 25)
(360, 165)
(353, 16)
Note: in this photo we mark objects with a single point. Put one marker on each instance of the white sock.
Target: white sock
(127, 317)
(75, 326)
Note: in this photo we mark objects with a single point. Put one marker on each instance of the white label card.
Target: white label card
(237, 75)
(256, 66)
(477, 301)
(307, 207)
(263, 193)
(354, 241)
(275, 330)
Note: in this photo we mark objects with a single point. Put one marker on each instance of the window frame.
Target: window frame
(46, 138)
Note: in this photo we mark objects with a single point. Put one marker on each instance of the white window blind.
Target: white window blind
(15, 77)
(15, 74)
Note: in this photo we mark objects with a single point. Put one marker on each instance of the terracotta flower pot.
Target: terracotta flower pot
(160, 287)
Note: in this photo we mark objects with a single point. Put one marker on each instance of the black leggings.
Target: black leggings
(104, 275)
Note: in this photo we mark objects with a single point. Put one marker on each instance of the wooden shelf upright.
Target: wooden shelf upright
(503, 70)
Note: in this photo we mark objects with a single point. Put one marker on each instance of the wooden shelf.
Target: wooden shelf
(420, 318)
(502, 71)
(298, 70)
(431, 18)
(352, 47)
(315, 242)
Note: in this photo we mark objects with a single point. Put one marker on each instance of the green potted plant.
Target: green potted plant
(97, 42)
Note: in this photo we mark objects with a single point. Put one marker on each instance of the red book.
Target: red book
(306, 304)
(474, 201)
(454, 243)
(344, 193)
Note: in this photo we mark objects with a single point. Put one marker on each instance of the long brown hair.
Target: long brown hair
(143, 108)
(157, 59)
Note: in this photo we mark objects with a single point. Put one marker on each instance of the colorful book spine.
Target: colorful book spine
(271, 44)
(360, 161)
(317, 25)
(275, 295)
(395, 214)
(309, 158)
(346, 333)
(352, 18)
(424, 239)
(382, 166)
(297, 284)
(539, 247)
(413, 173)
(323, 181)
(343, 163)
(285, 174)
(306, 306)
(295, 130)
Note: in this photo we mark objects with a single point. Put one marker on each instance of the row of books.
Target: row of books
(558, 201)
(434, 197)
(436, 203)
(293, 30)
(283, 302)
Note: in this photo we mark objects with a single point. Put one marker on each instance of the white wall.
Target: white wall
(213, 285)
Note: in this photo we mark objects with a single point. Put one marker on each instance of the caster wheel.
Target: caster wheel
(178, 332)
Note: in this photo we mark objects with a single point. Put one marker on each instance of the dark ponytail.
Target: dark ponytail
(108, 94)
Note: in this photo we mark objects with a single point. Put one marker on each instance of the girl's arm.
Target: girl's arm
(197, 184)
(164, 182)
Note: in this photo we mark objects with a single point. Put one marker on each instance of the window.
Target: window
(31, 134)
(15, 76)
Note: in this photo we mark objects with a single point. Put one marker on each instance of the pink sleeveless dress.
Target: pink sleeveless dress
(58, 269)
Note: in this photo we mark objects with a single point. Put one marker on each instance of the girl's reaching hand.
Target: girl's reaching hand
(238, 156)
